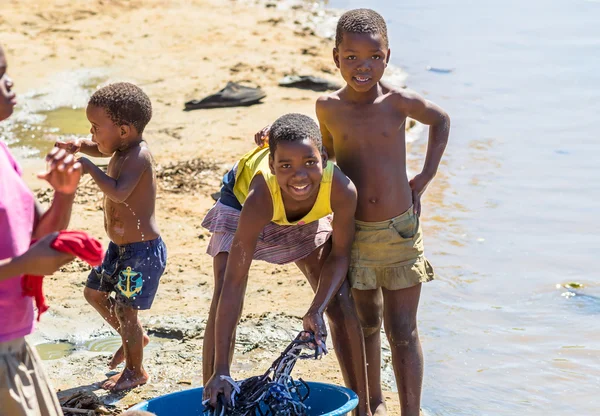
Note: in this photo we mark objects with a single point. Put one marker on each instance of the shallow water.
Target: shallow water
(56, 350)
(512, 213)
(55, 112)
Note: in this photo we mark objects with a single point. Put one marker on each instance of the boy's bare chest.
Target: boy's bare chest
(357, 125)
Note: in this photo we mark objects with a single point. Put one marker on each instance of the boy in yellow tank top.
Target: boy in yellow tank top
(276, 205)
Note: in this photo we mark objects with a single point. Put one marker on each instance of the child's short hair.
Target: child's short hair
(294, 127)
(124, 103)
(138, 413)
(361, 21)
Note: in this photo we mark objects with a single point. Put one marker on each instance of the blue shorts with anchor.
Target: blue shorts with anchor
(132, 271)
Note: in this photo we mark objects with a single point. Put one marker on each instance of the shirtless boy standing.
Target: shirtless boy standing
(136, 255)
(363, 127)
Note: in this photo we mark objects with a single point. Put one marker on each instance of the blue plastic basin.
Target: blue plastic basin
(324, 400)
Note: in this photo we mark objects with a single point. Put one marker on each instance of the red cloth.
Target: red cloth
(77, 243)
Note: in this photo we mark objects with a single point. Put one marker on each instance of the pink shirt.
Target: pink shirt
(16, 227)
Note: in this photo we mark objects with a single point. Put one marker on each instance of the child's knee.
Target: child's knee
(94, 296)
(370, 324)
(402, 333)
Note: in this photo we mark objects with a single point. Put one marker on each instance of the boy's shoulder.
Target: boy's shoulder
(402, 98)
(136, 155)
(327, 105)
(328, 100)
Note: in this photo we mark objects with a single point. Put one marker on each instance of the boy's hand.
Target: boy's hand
(262, 137)
(85, 164)
(313, 322)
(418, 184)
(217, 386)
(71, 146)
(41, 259)
(63, 172)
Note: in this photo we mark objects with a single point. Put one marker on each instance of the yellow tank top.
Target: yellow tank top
(257, 162)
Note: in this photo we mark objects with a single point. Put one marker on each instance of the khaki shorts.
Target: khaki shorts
(24, 388)
(389, 254)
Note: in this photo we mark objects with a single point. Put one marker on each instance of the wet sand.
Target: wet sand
(176, 52)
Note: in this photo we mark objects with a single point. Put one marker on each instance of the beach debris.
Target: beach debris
(233, 95)
(87, 192)
(176, 177)
(311, 50)
(187, 175)
(186, 382)
(573, 285)
(308, 82)
(176, 327)
(439, 70)
(172, 132)
(84, 403)
(275, 392)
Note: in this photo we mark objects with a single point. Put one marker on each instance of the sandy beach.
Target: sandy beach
(176, 51)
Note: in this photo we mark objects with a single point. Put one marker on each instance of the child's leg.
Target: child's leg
(369, 305)
(132, 335)
(344, 324)
(208, 345)
(105, 305)
(400, 320)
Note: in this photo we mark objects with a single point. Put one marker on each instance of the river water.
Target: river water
(511, 219)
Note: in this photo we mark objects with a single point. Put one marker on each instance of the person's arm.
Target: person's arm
(10, 268)
(84, 146)
(322, 111)
(118, 190)
(256, 214)
(90, 148)
(335, 268)
(261, 138)
(63, 175)
(39, 260)
(438, 121)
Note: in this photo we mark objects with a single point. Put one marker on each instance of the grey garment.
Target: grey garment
(24, 387)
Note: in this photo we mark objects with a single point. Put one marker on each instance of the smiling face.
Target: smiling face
(362, 59)
(8, 99)
(105, 133)
(298, 167)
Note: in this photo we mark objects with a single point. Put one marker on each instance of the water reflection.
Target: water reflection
(61, 349)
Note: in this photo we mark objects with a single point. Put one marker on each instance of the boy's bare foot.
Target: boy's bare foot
(119, 356)
(111, 381)
(126, 380)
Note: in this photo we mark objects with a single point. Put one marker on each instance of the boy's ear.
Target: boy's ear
(336, 57)
(271, 164)
(387, 59)
(124, 130)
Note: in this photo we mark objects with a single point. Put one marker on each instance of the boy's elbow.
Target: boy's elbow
(442, 127)
(445, 121)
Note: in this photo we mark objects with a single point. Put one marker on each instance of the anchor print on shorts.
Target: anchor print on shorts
(130, 283)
